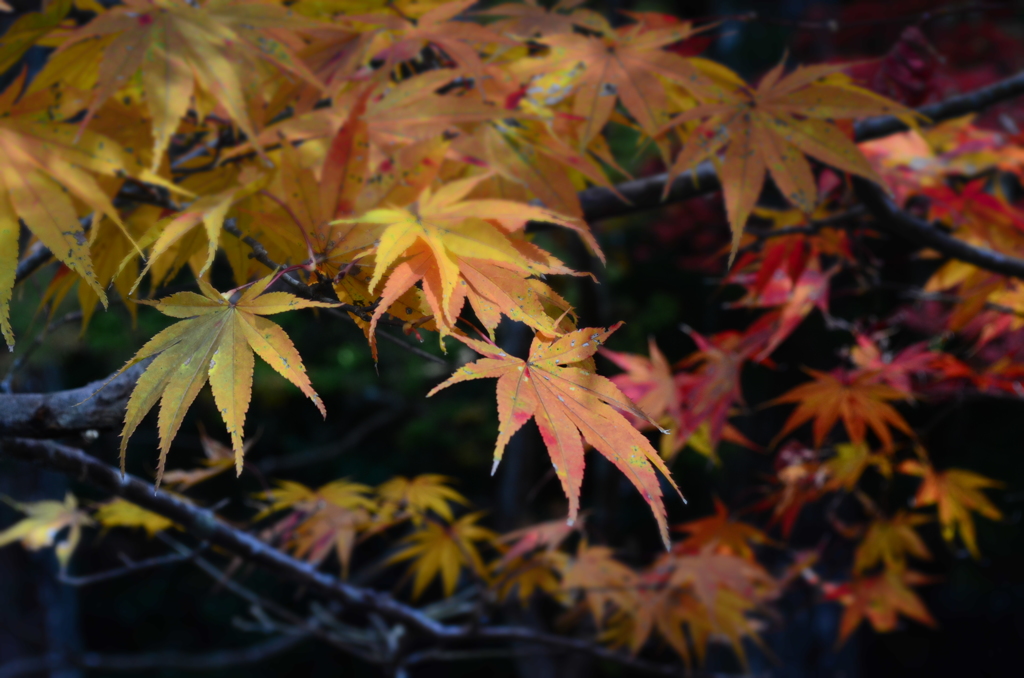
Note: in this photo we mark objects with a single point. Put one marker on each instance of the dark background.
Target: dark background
(660, 274)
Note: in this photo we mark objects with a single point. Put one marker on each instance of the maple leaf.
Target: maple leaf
(452, 244)
(854, 396)
(530, 20)
(714, 595)
(898, 369)
(42, 170)
(457, 40)
(729, 536)
(322, 521)
(547, 536)
(439, 550)
(653, 608)
(708, 571)
(527, 576)
(957, 493)
(113, 255)
(624, 65)
(219, 458)
(800, 479)
(603, 580)
(790, 253)
(44, 521)
(122, 513)
(557, 387)
(768, 129)
(329, 528)
(890, 541)
(427, 492)
(181, 48)
(649, 383)
(209, 210)
(880, 599)
(27, 30)
(713, 388)
(693, 405)
(796, 299)
(214, 342)
(533, 562)
(849, 463)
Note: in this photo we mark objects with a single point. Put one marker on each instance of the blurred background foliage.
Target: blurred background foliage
(661, 274)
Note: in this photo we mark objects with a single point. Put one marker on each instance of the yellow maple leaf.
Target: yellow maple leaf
(427, 492)
(323, 520)
(123, 513)
(44, 521)
(439, 550)
(183, 49)
(889, 541)
(453, 244)
(849, 464)
(43, 169)
(214, 342)
(219, 458)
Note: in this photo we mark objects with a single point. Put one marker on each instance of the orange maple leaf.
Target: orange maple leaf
(626, 64)
(649, 383)
(854, 396)
(880, 600)
(729, 536)
(957, 493)
(768, 129)
(557, 387)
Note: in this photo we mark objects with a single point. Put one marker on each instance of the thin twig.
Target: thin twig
(130, 567)
(153, 661)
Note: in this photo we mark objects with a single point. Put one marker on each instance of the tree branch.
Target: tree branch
(129, 567)
(896, 221)
(209, 661)
(954, 107)
(90, 407)
(35, 258)
(206, 526)
(601, 203)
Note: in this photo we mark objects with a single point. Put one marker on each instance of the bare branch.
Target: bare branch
(90, 407)
(208, 661)
(205, 525)
(954, 107)
(130, 567)
(893, 219)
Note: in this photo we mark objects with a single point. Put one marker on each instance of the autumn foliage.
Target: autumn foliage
(391, 164)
